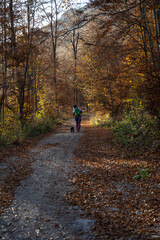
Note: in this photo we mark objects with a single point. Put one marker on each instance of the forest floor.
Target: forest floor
(78, 186)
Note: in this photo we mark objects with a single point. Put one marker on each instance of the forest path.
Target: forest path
(39, 209)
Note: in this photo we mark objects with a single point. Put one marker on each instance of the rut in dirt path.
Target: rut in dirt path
(39, 210)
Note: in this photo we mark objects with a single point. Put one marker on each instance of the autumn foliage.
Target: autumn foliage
(121, 64)
(32, 92)
(105, 55)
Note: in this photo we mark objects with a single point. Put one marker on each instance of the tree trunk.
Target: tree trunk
(26, 65)
(13, 38)
(157, 35)
(4, 61)
(75, 41)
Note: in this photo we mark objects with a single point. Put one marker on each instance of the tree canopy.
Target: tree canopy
(105, 54)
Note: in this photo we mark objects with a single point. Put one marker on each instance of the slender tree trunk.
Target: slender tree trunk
(13, 37)
(143, 31)
(4, 61)
(158, 21)
(157, 35)
(24, 79)
(75, 41)
(54, 39)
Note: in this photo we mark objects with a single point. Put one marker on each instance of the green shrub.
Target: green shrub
(138, 128)
(14, 134)
(2, 141)
(142, 174)
(10, 133)
(38, 127)
(123, 131)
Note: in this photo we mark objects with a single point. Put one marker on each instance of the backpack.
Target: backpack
(77, 111)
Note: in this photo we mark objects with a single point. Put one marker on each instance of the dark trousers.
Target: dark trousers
(78, 122)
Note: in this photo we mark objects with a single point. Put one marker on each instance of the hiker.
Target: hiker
(77, 113)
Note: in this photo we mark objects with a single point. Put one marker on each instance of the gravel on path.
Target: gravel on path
(39, 209)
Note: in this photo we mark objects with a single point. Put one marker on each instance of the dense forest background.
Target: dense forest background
(104, 56)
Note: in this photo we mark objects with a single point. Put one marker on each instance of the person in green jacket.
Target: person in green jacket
(77, 113)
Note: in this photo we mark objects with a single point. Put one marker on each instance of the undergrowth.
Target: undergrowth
(137, 128)
(101, 120)
(14, 133)
(40, 127)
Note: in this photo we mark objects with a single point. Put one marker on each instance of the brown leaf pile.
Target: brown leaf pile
(123, 207)
(20, 170)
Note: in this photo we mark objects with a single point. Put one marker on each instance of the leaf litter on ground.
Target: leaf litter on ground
(124, 207)
(105, 187)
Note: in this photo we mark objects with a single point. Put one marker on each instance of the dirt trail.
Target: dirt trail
(39, 210)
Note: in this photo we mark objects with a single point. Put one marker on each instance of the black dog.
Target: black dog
(72, 129)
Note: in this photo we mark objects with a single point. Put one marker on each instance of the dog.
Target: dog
(72, 129)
